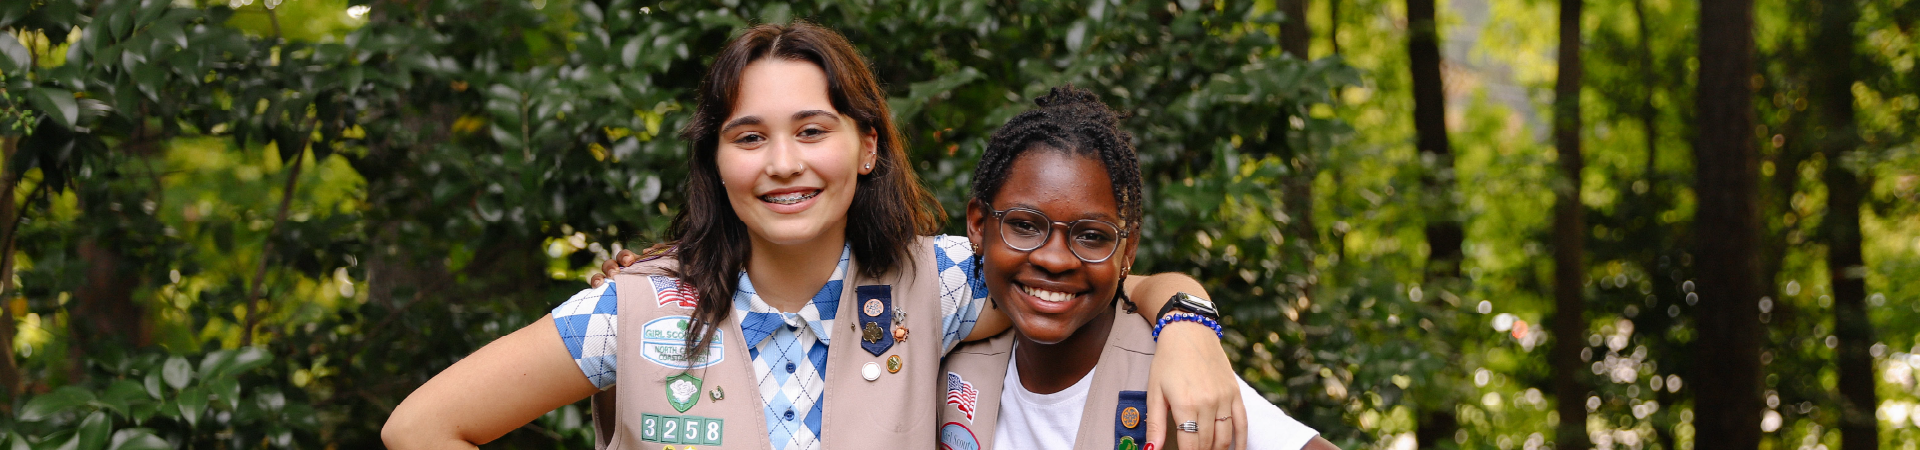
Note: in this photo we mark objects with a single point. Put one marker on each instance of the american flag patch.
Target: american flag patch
(961, 394)
(669, 292)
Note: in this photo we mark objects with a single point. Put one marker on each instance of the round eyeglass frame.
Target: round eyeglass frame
(1000, 216)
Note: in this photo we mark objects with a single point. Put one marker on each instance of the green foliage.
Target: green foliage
(464, 163)
(152, 401)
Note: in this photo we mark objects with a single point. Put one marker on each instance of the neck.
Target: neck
(787, 276)
(1050, 368)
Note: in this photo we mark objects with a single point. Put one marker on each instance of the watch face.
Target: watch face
(1199, 303)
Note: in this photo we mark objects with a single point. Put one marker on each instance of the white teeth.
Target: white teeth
(1046, 295)
(791, 198)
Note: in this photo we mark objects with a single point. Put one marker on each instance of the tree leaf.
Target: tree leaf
(51, 403)
(122, 394)
(226, 389)
(249, 358)
(138, 439)
(177, 372)
(152, 385)
(192, 401)
(14, 58)
(93, 431)
(57, 103)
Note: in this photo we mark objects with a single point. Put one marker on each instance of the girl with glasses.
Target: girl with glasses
(802, 305)
(1056, 203)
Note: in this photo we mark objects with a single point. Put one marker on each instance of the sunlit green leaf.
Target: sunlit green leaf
(14, 58)
(94, 431)
(138, 439)
(177, 372)
(58, 104)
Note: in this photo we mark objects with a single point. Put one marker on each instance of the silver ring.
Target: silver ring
(1189, 426)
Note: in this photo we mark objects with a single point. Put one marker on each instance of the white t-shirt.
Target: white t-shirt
(1029, 420)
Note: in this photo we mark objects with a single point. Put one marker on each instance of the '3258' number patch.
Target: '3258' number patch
(690, 430)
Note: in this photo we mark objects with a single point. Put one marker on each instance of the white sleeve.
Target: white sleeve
(1268, 428)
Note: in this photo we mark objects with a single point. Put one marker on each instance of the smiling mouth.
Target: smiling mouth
(1046, 295)
(790, 198)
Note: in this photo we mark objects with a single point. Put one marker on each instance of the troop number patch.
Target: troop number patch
(688, 430)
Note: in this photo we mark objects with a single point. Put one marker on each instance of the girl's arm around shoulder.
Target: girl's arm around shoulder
(500, 387)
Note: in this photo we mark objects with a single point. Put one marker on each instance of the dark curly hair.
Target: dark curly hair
(1074, 121)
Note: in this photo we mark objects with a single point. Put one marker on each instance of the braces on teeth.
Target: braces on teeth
(793, 198)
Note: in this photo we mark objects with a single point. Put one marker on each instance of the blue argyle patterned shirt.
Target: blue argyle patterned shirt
(788, 350)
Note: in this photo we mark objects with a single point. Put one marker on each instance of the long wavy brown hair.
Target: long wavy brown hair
(890, 206)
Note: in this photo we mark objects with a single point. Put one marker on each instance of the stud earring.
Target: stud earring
(869, 166)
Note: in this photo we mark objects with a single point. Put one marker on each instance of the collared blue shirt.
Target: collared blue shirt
(788, 350)
(789, 353)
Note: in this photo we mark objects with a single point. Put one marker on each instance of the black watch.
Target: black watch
(1189, 303)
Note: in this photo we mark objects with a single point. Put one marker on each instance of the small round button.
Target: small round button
(791, 367)
(871, 371)
(789, 414)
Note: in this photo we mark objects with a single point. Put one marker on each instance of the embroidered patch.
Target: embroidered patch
(963, 396)
(669, 292)
(683, 391)
(954, 436)
(688, 430)
(663, 341)
(874, 324)
(1127, 418)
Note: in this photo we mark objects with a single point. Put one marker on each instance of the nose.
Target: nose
(1055, 255)
(784, 158)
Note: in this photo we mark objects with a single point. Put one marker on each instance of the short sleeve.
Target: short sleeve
(587, 324)
(1269, 428)
(962, 291)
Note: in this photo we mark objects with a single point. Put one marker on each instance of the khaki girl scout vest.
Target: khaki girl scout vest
(1116, 412)
(660, 403)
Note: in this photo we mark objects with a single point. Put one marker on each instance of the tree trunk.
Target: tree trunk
(1569, 239)
(1294, 35)
(104, 316)
(9, 373)
(1436, 423)
(1302, 166)
(1727, 223)
(1333, 26)
(1444, 235)
(1833, 104)
(1650, 76)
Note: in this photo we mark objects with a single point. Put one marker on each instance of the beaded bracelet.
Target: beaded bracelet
(1186, 317)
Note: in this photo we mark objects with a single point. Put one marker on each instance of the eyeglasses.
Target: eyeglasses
(1025, 229)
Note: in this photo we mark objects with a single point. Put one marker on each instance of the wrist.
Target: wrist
(1175, 318)
(1189, 303)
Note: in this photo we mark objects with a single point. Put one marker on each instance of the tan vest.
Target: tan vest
(896, 410)
(1116, 411)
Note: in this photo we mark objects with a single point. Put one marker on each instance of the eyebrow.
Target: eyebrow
(1096, 215)
(755, 120)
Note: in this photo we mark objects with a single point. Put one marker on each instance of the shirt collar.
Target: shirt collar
(759, 320)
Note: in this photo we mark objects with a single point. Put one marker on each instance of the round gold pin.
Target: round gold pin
(893, 364)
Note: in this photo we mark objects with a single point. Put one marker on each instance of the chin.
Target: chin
(1048, 333)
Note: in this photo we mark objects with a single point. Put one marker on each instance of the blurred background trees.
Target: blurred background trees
(261, 223)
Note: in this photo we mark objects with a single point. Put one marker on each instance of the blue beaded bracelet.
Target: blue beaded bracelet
(1186, 317)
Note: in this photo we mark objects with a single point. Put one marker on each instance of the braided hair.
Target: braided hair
(1074, 121)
